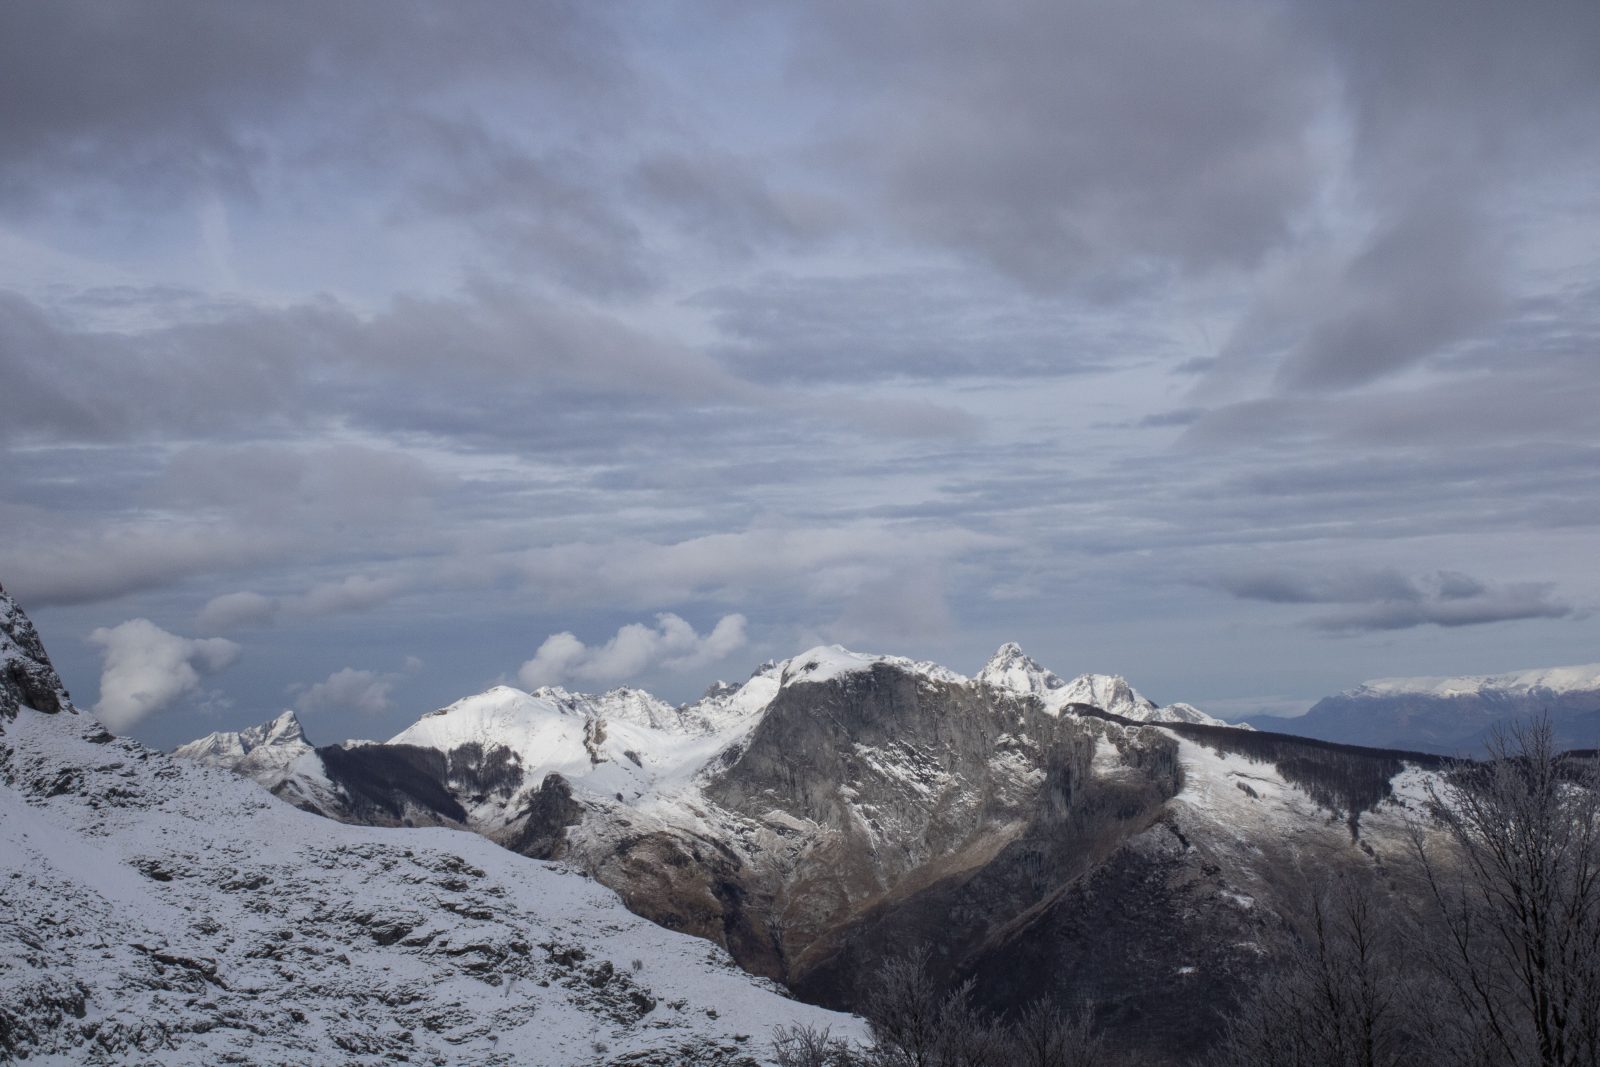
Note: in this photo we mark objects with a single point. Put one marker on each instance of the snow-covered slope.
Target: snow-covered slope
(155, 910)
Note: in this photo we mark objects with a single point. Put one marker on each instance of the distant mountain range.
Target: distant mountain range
(1454, 716)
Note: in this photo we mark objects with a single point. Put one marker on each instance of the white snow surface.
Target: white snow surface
(1582, 678)
(624, 705)
(649, 768)
(827, 662)
(192, 919)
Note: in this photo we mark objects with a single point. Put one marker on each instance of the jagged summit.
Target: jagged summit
(27, 678)
(265, 753)
(1012, 670)
(226, 747)
(1015, 671)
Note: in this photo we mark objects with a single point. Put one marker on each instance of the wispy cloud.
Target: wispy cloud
(1389, 600)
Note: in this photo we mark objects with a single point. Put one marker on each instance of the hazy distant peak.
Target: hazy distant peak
(1580, 678)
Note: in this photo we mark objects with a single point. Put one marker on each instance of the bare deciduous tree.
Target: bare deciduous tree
(1045, 1036)
(914, 1024)
(1517, 900)
(1339, 998)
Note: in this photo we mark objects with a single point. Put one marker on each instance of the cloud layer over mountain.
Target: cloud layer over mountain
(424, 329)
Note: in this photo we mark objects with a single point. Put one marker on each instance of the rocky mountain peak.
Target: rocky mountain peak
(1010, 656)
(27, 678)
(261, 752)
(1012, 670)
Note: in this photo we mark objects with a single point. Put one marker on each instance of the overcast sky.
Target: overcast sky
(357, 356)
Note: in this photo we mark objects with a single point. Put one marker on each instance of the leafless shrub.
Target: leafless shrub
(809, 1046)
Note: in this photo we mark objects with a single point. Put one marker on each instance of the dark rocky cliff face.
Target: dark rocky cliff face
(942, 812)
(26, 677)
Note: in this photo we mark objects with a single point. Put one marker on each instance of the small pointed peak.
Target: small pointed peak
(286, 727)
(1009, 655)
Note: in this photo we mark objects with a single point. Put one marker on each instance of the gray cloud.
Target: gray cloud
(728, 201)
(1429, 280)
(1388, 600)
(1019, 136)
(549, 214)
(56, 563)
(910, 325)
(933, 326)
(1447, 106)
(231, 611)
(366, 693)
(357, 592)
(190, 94)
(303, 364)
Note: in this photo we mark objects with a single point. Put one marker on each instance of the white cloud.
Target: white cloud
(145, 669)
(349, 690)
(671, 644)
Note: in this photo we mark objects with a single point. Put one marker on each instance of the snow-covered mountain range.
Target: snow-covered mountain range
(1456, 716)
(837, 808)
(155, 910)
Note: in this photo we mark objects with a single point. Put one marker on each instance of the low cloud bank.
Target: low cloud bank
(672, 644)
